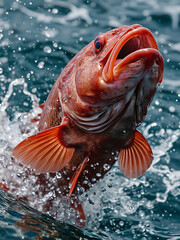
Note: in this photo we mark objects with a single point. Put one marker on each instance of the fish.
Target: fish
(91, 115)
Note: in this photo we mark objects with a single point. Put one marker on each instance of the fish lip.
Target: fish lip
(140, 33)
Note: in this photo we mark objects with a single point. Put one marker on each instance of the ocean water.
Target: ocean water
(37, 39)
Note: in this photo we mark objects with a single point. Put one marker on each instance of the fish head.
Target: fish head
(118, 69)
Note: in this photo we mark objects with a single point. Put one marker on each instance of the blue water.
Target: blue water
(37, 39)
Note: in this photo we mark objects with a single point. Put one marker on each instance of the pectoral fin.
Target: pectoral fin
(45, 151)
(135, 160)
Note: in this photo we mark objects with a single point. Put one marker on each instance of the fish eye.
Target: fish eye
(99, 43)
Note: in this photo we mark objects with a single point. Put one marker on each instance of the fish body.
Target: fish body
(91, 115)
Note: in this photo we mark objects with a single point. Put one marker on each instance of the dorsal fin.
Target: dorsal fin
(44, 151)
(136, 159)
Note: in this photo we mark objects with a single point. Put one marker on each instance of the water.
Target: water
(37, 39)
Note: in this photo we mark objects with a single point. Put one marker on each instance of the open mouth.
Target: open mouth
(132, 45)
(136, 44)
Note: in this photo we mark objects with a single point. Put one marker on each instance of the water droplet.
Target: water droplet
(41, 64)
(149, 205)
(117, 231)
(34, 90)
(3, 59)
(93, 179)
(85, 182)
(172, 109)
(64, 99)
(25, 104)
(157, 102)
(141, 213)
(55, 45)
(161, 197)
(121, 223)
(106, 166)
(146, 13)
(98, 174)
(109, 185)
(54, 10)
(47, 49)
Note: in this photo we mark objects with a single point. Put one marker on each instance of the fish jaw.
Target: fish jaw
(136, 45)
(146, 58)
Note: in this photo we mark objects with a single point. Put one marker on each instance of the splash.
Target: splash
(114, 196)
(123, 198)
(24, 183)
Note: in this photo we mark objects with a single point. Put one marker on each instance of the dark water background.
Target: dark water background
(37, 39)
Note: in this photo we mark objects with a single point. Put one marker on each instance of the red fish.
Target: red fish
(94, 108)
